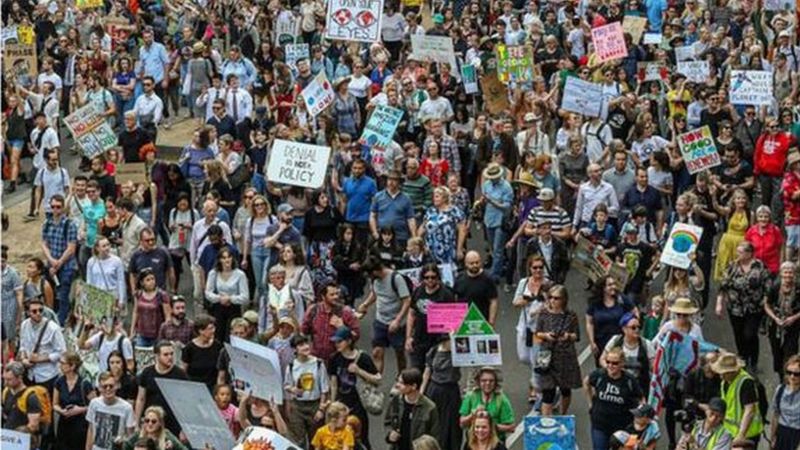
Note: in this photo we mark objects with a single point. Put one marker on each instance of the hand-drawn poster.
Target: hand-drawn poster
(514, 63)
(779, 5)
(589, 260)
(354, 20)
(287, 28)
(260, 438)
(651, 71)
(298, 164)
(318, 95)
(255, 369)
(381, 126)
(95, 303)
(582, 97)
(685, 53)
(437, 49)
(634, 26)
(475, 343)
(548, 433)
(296, 52)
(682, 242)
(609, 42)
(495, 94)
(445, 317)
(20, 63)
(695, 71)
(751, 87)
(197, 413)
(699, 150)
(470, 78)
(88, 4)
(91, 132)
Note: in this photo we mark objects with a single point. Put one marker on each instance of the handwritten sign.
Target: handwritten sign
(475, 343)
(255, 369)
(591, 261)
(651, 71)
(698, 150)
(261, 438)
(318, 95)
(135, 172)
(199, 418)
(89, 4)
(695, 71)
(682, 242)
(436, 49)
(751, 87)
(354, 20)
(14, 440)
(287, 28)
(298, 164)
(8, 35)
(514, 63)
(609, 42)
(779, 5)
(445, 317)
(381, 126)
(470, 78)
(653, 38)
(95, 303)
(296, 52)
(495, 94)
(634, 26)
(685, 53)
(20, 63)
(582, 97)
(543, 432)
(90, 131)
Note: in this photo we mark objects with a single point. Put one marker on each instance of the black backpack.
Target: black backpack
(406, 279)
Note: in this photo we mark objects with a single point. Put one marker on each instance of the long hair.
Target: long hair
(162, 433)
(493, 439)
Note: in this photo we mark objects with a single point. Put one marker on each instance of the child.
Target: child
(112, 159)
(386, 249)
(600, 232)
(638, 259)
(652, 321)
(335, 434)
(416, 256)
(229, 411)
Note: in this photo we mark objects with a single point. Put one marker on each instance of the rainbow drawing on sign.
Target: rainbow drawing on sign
(682, 243)
(684, 240)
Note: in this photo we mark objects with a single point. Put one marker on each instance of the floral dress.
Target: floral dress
(745, 291)
(726, 252)
(441, 233)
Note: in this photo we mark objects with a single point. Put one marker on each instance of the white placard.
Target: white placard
(255, 369)
(685, 53)
(196, 412)
(298, 164)
(582, 97)
(436, 49)
(695, 71)
(476, 350)
(653, 38)
(296, 52)
(318, 95)
(14, 440)
(751, 87)
(351, 20)
(263, 438)
(682, 242)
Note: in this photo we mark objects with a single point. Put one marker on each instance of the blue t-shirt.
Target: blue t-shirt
(124, 78)
(655, 9)
(359, 192)
(393, 212)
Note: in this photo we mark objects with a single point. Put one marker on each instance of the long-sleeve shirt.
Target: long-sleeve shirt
(235, 286)
(52, 345)
(207, 100)
(238, 104)
(317, 324)
(589, 196)
(149, 109)
(501, 195)
(109, 275)
(243, 69)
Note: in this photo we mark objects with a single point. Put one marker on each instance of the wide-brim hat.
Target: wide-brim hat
(493, 171)
(199, 47)
(338, 82)
(727, 363)
(684, 305)
(792, 158)
(527, 179)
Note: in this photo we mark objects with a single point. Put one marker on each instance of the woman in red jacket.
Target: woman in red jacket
(770, 158)
(766, 238)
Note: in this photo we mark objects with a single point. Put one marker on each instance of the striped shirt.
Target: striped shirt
(556, 217)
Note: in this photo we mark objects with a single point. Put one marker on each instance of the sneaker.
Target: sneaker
(29, 217)
(11, 188)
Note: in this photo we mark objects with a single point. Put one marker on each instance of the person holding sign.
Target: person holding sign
(418, 340)
(488, 398)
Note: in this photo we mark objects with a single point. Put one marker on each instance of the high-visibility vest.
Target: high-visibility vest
(712, 441)
(735, 410)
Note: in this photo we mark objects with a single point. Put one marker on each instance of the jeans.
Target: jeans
(141, 341)
(498, 240)
(599, 439)
(65, 276)
(259, 259)
(259, 183)
(123, 106)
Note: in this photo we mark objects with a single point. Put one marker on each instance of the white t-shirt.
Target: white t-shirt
(393, 28)
(54, 182)
(109, 421)
(53, 78)
(310, 376)
(108, 346)
(358, 86)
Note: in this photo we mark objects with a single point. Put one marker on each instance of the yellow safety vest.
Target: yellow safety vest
(735, 410)
(712, 441)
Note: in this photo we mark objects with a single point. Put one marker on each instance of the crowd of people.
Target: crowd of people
(489, 204)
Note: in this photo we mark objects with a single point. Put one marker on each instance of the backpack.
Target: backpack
(44, 401)
(763, 399)
(406, 279)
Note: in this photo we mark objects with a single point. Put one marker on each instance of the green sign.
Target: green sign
(96, 304)
(514, 63)
(474, 323)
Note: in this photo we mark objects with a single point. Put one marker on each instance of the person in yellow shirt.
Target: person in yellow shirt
(335, 434)
(678, 97)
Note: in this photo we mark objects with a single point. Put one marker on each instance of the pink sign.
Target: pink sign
(609, 42)
(445, 317)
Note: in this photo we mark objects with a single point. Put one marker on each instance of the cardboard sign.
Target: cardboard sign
(437, 49)
(470, 78)
(296, 52)
(634, 26)
(318, 95)
(90, 131)
(20, 63)
(287, 28)
(119, 28)
(582, 97)
(14, 440)
(589, 260)
(695, 71)
(358, 20)
(609, 42)
(682, 242)
(751, 87)
(381, 126)
(196, 412)
(651, 72)
(514, 63)
(550, 432)
(298, 164)
(255, 369)
(685, 53)
(260, 438)
(445, 317)
(95, 303)
(88, 4)
(779, 5)
(495, 94)
(653, 38)
(136, 172)
(475, 343)
(699, 150)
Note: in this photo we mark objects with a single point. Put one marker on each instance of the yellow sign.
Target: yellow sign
(25, 34)
(88, 4)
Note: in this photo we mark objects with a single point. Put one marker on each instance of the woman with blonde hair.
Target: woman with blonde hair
(152, 427)
(737, 213)
(335, 434)
(425, 442)
(482, 433)
(217, 180)
(255, 250)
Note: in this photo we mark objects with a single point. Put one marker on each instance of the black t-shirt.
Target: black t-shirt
(619, 123)
(637, 258)
(321, 226)
(13, 418)
(201, 363)
(479, 290)
(405, 426)
(734, 175)
(419, 304)
(713, 119)
(157, 259)
(108, 187)
(747, 393)
(347, 381)
(613, 400)
(131, 142)
(153, 397)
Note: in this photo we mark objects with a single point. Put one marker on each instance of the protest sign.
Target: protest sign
(495, 94)
(298, 164)
(354, 20)
(470, 78)
(260, 438)
(14, 440)
(685, 53)
(751, 87)
(88, 4)
(20, 63)
(695, 71)
(381, 126)
(653, 38)
(699, 150)
(287, 28)
(90, 131)
(779, 5)
(445, 317)
(26, 35)
(255, 369)
(436, 49)
(318, 95)
(196, 412)
(609, 42)
(8, 35)
(591, 261)
(651, 71)
(296, 52)
(582, 97)
(136, 172)
(550, 432)
(475, 343)
(119, 29)
(634, 26)
(95, 303)
(447, 271)
(514, 63)
(682, 242)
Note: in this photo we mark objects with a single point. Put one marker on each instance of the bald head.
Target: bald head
(472, 261)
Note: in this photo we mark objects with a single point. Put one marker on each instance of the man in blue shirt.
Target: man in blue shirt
(59, 243)
(655, 13)
(498, 197)
(359, 190)
(154, 62)
(392, 208)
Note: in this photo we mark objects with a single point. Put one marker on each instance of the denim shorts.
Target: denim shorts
(17, 143)
(793, 236)
(381, 337)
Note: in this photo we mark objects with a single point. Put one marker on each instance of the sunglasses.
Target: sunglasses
(613, 363)
(35, 311)
(107, 386)
(792, 373)
(430, 277)
(537, 267)
(150, 420)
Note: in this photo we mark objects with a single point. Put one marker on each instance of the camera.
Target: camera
(688, 415)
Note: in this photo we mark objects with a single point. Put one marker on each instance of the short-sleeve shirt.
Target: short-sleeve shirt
(613, 400)
(106, 346)
(498, 407)
(109, 421)
(393, 212)
(157, 259)
(327, 439)
(53, 182)
(346, 380)
(390, 290)
(419, 304)
(13, 418)
(606, 320)
(147, 380)
(478, 290)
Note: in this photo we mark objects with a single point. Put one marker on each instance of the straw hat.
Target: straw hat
(493, 171)
(339, 82)
(792, 158)
(726, 363)
(684, 305)
(199, 47)
(527, 179)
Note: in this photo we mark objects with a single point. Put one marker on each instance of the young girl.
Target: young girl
(652, 321)
(600, 232)
(528, 164)
(335, 434)
(433, 166)
(228, 411)
(415, 256)
(151, 309)
(386, 248)
(348, 255)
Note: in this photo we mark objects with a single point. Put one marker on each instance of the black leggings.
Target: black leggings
(549, 395)
(745, 333)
